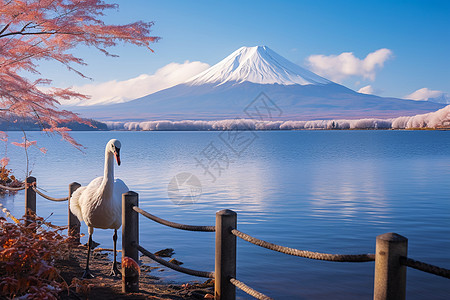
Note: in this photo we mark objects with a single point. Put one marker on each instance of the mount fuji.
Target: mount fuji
(258, 65)
(227, 89)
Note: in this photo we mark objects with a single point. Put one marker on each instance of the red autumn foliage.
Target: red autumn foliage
(37, 30)
(27, 253)
(7, 179)
(81, 286)
(130, 266)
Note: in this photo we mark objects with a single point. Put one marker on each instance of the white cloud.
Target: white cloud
(344, 65)
(368, 89)
(424, 94)
(122, 91)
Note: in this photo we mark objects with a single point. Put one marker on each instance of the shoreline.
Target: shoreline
(258, 130)
(436, 120)
(104, 286)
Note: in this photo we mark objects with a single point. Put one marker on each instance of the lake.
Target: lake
(324, 191)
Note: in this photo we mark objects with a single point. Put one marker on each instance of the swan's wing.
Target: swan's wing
(95, 184)
(79, 197)
(75, 206)
(120, 187)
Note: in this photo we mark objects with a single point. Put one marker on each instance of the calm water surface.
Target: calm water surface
(326, 191)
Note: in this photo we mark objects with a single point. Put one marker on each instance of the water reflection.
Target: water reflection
(348, 188)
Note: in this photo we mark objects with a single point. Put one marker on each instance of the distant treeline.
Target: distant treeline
(31, 125)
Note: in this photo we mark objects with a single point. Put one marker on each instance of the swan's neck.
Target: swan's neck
(108, 176)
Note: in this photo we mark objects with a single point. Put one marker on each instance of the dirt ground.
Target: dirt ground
(104, 286)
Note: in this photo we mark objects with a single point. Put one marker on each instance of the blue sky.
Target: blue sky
(416, 33)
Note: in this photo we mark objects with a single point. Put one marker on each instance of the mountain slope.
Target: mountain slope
(229, 101)
(229, 88)
(444, 98)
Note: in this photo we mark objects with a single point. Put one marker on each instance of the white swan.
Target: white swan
(99, 204)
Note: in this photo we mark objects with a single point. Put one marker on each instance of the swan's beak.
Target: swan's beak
(117, 155)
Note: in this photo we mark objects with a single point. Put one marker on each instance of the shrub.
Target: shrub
(27, 254)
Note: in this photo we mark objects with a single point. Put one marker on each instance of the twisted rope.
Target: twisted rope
(303, 253)
(48, 197)
(173, 224)
(173, 266)
(243, 287)
(425, 267)
(12, 188)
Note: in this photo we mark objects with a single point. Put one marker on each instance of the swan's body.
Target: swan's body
(99, 204)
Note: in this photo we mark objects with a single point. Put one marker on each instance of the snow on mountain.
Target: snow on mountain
(233, 88)
(258, 65)
(443, 98)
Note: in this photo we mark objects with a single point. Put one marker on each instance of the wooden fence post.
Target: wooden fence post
(130, 235)
(73, 228)
(30, 197)
(390, 275)
(225, 255)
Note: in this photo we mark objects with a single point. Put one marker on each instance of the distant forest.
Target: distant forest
(30, 125)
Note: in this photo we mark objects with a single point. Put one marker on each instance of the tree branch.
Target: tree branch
(5, 28)
(27, 33)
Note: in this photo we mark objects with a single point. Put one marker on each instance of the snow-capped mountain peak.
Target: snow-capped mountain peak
(258, 65)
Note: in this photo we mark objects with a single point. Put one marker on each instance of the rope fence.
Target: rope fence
(35, 189)
(174, 266)
(73, 226)
(303, 253)
(390, 247)
(245, 288)
(424, 267)
(173, 224)
(48, 197)
(15, 189)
